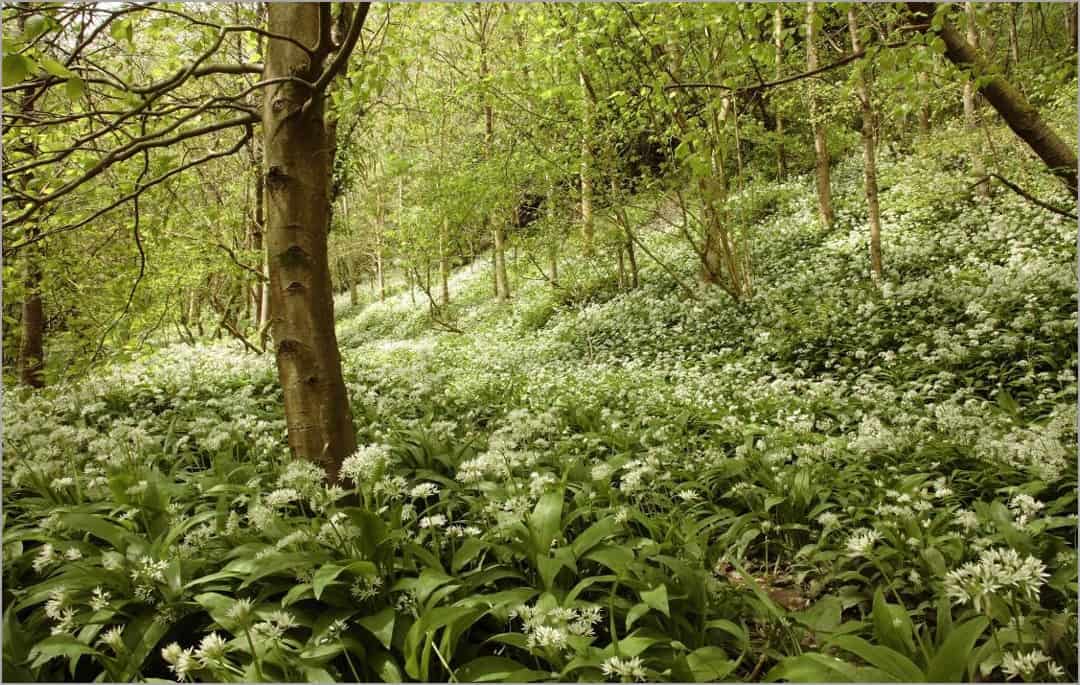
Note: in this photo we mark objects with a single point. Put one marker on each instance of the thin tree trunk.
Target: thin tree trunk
(862, 89)
(821, 148)
(924, 107)
(380, 220)
(444, 264)
(586, 169)
(317, 410)
(1071, 24)
(971, 116)
(32, 344)
(1022, 118)
(502, 285)
(31, 361)
(620, 214)
(778, 44)
(1014, 35)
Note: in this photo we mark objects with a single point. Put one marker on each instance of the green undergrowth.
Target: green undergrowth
(830, 481)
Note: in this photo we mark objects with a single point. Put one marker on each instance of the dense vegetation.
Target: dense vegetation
(590, 444)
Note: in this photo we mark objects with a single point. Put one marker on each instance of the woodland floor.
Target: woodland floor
(826, 482)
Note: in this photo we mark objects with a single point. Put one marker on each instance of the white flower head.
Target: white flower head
(625, 669)
(861, 542)
(1018, 664)
(212, 649)
(240, 611)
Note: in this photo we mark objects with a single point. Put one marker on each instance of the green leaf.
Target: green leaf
(709, 664)
(323, 577)
(892, 625)
(893, 663)
(813, 668)
(35, 26)
(638, 610)
(824, 616)
(381, 625)
(497, 669)
(546, 520)
(122, 30)
(54, 68)
(951, 659)
(614, 557)
(936, 561)
(15, 68)
(657, 598)
(74, 88)
(58, 645)
(594, 535)
(117, 536)
(731, 628)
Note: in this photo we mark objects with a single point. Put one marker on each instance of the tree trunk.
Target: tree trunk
(380, 220)
(620, 214)
(971, 116)
(32, 340)
(924, 107)
(317, 410)
(1022, 118)
(444, 264)
(821, 148)
(32, 344)
(256, 239)
(586, 170)
(778, 44)
(502, 285)
(862, 89)
(1071, 24)
(1014, 36)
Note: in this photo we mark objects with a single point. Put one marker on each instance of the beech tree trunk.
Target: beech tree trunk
(862, 90)
(821, 148)
(1018, 113)
(256, 239)
(317, 410)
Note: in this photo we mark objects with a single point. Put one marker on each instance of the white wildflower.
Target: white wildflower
(1018, 664)
(113, 638)
(424, 490)
(626, 669)
(862, 541)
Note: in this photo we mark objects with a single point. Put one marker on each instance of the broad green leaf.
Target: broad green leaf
(74, 88)
(897, 666)
(951, 659)
(15, 68)
(892, 625)
(813, 668)
(381, 625)
(545, 521)
(58, 645)
(657, 598)
(709, 664)
(54, 68)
